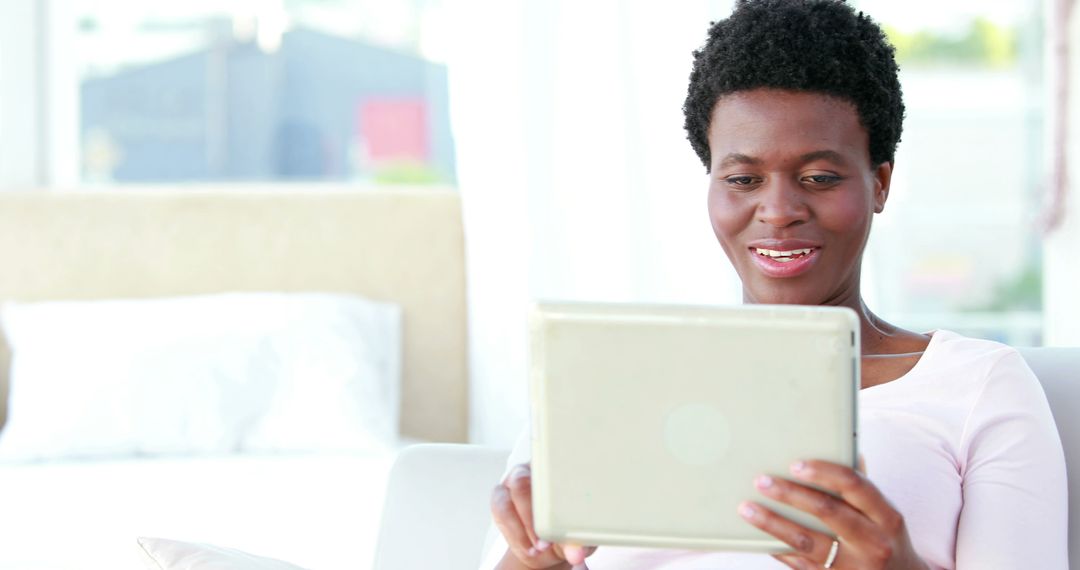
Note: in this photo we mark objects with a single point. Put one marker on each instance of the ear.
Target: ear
(882, 180)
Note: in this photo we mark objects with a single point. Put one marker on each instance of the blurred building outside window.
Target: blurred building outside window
(314, 90)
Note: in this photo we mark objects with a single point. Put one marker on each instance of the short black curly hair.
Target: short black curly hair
(821, 46)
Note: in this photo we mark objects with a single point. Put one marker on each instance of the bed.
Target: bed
(316, 509)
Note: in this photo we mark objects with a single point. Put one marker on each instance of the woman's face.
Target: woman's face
(792, 193)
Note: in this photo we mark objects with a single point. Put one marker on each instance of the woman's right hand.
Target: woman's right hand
(511, 506)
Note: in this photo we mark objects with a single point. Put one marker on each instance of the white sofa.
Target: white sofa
(436, 513)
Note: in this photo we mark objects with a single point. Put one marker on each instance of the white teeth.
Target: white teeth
(783, 254)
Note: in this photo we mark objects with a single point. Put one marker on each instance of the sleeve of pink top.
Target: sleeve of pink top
(1015, 511)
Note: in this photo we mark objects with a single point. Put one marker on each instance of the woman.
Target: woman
(795, 109)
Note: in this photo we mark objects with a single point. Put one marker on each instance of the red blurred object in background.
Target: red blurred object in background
(395, 129)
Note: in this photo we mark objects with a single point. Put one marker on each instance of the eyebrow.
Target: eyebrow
(829, 155)
(738, 158)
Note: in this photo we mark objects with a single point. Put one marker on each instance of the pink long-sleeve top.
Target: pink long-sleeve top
(965, 447)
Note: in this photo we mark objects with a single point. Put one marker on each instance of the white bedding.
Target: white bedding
(206, 374)
(316, 511)
(262, 422)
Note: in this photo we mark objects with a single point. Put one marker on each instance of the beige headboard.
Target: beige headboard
(400, 245)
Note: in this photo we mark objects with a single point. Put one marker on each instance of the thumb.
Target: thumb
(575, 554)
(862, 464)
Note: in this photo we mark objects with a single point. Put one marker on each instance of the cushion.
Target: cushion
(239, 372)
(164, 554)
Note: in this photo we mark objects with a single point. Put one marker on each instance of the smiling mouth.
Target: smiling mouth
(782, 264)
(783, 256)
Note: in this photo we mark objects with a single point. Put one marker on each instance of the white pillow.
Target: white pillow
(163, 554)
(257, 372)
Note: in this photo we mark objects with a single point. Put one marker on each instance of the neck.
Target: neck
(873, 331)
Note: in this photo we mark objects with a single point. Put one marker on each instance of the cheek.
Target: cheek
(850, 218)
(722, 214)
(718, 218)
(729, 217)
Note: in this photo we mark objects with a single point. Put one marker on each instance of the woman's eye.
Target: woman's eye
(822, 179)
(740, 180)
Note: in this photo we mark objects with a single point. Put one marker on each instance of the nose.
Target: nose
(782, 204)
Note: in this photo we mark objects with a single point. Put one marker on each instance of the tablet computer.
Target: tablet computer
(650, 423)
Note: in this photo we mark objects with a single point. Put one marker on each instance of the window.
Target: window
(958, 246)
(345, 90)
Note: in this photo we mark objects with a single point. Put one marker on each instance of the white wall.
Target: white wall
(576, 175)
(20, 112)
(39, 94)
(1061, 277)
(487, 115)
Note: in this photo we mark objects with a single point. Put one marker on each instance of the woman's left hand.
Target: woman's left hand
(870, 531)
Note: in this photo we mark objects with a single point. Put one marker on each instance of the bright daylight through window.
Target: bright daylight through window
(960, 244)
(343, 90)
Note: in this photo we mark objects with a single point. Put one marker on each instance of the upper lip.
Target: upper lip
(784, 244)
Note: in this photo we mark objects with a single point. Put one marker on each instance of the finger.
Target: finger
(852, 486)
(508, 522)
(520, 484)
(839, 516)
(513, 530)
(806, 542)
(575, 554)
(862, 464)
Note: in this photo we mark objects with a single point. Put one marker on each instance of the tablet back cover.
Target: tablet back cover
(650, 422)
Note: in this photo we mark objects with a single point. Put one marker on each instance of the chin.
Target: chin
(789, 295)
